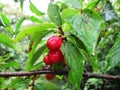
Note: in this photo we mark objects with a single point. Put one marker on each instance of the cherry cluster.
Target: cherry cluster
(54, 55)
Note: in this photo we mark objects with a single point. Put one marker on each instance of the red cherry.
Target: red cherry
(46, 60)
(96, 9)
(49, 76)
(63, 63)
(54, 43)
(55, 56)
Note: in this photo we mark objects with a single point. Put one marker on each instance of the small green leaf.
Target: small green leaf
(19, 83)
(54, 14)
(33, 29)
(113, 57)
(9, 28)
(5, 20)
(69, 12)
(62, 5)
(21, 4)
(10, 64)
(74, 60)
(94, 63)
(66, 27)
(45, 85)
(108, 13)
(1, 23)
(35, 19)
(2, 83)
(35, 10)
(19, 23)
(15, 81)
(74, 3)
(91, 5)
(6, 40)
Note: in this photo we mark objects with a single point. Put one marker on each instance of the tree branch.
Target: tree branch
(23, 73)
(59, 72)
(102, 76)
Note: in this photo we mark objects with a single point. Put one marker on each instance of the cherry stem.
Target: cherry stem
(60, 29)
(61, 32)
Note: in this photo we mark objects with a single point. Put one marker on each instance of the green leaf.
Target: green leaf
(33, 57)
(66, 27)
(6, 40)
(9, 28)
(1, 24)
(45, 85)
(35, 10)
(5, 20)
(69, 12)
(33, 54)
(87, 29)
(37, 54)
(113, 57)
(54, 14)
(118, 1)
(15, 81)
(19, 83)
(33, 29)
(10, 64)
(74, 60)
(77, 42)
(62, 5)
(36, 38)
(58, 66)
(108, 12)
(2, 83)
(94, 62)
(19, 23)
(35, 19)
(92, 59)
(74, 3)
(37, 66)
(91, 5)
(21, 4)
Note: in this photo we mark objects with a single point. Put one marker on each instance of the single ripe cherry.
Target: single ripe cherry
(63, 63)
(54, 43)
(96, 9)
(49, 76)
(46, 60)
(55, 56)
